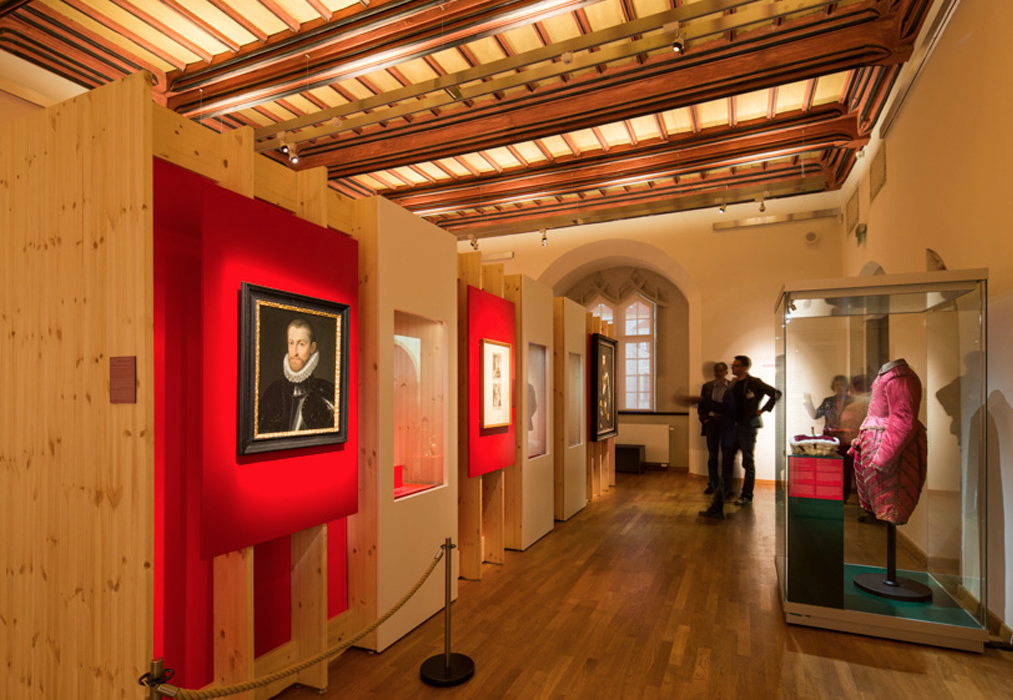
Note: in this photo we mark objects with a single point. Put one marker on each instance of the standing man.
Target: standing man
(746, 393)
(712, 394)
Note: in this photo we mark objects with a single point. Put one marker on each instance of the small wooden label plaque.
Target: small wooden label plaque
(123, 379)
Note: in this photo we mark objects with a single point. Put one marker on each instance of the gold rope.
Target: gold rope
(172, 691)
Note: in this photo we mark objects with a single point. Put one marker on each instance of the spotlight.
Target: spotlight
(474, 242)
(566, 57)
(293, 154)
(679, 39)
(545, 237)
(722, 208)
(763, 206)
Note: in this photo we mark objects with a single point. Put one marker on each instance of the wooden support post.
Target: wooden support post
(493, 492)
(309, 601)
(469, 491)
(233, 619)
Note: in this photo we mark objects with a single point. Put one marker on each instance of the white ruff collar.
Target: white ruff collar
(303, 374)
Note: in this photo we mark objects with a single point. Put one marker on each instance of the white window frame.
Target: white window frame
(625, 341)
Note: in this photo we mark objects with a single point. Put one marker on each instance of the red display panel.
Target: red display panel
(260, 497)
(189, 364)
(490, 318)
(816, 477)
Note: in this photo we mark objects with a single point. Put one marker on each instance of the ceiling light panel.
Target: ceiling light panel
(790, 97)
(752, 105)
(504, 158)
(453, 166)
(530, 152)
(829, 88)
(646, 128)
(714, 113)
(678, 121)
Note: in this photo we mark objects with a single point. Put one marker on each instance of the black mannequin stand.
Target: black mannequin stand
(893, 586)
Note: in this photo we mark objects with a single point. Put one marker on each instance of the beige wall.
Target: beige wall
(944, 191)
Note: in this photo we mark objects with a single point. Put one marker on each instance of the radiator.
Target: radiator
(654, 438)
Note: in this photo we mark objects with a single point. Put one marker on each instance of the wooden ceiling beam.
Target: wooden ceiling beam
(716, 148)
(631, 91)
(349, 46)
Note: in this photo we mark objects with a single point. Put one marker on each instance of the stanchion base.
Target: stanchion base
(902, 589)
(434, 670)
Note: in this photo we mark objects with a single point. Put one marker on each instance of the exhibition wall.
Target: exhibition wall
(732, 278)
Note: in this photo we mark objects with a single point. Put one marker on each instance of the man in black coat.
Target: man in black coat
(300, 401)
(712, 394)
(741, 410)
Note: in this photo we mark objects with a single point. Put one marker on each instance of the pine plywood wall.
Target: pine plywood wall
(76, 472)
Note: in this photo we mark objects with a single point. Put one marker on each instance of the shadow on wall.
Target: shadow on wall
(1000, 413)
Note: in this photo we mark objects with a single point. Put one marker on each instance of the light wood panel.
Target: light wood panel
(77, 476)
(637, 597)
(528, 484)
(569, 407)
(469, 495)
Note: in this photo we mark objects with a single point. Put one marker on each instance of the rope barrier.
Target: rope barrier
(171, 691)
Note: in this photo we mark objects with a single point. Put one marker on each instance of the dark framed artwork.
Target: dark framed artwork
(293, 371)
(604, 415)
(496, 410)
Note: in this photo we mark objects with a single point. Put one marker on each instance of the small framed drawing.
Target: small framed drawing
(495, 395)
(293, 371)
(603, 412)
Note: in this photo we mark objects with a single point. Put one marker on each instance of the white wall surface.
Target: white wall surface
(945, 190)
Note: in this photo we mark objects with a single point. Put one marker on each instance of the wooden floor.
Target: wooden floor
(637, 597)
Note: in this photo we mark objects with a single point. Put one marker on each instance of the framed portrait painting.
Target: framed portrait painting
(604, 416)
(496, 409)
(293, 371)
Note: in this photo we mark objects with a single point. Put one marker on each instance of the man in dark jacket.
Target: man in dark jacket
(300, 401)
(713, 392)
(741, 411)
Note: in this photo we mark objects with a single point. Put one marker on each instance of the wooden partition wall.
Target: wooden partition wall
(530, 481)
(601, 455)
(76, 211)
(481, 504)
(76, 469)
(570, 427)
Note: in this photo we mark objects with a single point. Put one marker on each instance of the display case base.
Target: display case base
(941, 622)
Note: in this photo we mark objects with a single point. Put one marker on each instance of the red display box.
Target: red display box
(816, 477)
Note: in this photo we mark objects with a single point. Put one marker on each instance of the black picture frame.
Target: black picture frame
(273, 413)
(602, 388)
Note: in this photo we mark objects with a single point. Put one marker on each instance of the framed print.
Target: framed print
(495, 384)
(603, 387)
(293, 371)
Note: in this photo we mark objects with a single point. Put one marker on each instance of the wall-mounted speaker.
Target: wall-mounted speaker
(811, 237)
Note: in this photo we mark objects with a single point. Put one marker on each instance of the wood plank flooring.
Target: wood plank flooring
(637, 597)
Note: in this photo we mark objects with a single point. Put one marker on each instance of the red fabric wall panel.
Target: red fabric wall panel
(208, 240)
(255, 498)
(492, 318)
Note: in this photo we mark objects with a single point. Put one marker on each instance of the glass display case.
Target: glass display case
(419, 386)
(886, 538)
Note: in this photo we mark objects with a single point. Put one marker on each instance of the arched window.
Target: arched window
(633, 322)
(637, 341)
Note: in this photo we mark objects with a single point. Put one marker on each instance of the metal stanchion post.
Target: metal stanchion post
(447, 669)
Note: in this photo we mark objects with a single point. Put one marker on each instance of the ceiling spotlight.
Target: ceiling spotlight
(679, 39)
(545, 236)
(474, 242)
(293, 154)
(566, 57)
(722, 208)
(763, 206)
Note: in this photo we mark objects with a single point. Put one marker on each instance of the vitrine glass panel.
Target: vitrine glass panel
(420, 408)
(893, 369)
